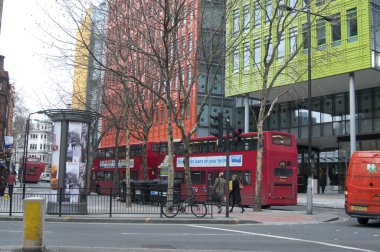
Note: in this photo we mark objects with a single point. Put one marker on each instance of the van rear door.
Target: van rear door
(374, 170)
(358, 183)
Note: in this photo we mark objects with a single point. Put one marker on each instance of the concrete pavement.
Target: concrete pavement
(266, 216)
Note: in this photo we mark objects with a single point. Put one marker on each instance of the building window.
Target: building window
(257, 14)
(236, 60)
(190, 44)
(246, 56)
(257, 51)
(321, 33)
(281, 48)
(279, 11)
(336, 30)
(189, 81)
(352, 25)
(191, 14)
(304, 37)
(183, 41)
(188, 112)
(293, 3)
(293, 40)
(236, 22)
(246, 17)
(268, 44)
(268, 10)
(162, 116)
(176, 82)
(284, 116)
(182, 77)
(319, 2)
(184, 16)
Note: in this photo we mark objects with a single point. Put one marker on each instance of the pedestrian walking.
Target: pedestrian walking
(219, 190)
(235, 193)
(3, 184)
(11, 181)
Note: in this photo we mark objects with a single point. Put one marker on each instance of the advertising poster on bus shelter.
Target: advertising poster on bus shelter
(54, 171)
(76, 161)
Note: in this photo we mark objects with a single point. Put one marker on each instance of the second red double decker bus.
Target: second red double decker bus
(104, 165)
(279, 171)
(33, 169)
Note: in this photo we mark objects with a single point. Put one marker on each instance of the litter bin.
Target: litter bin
(158, 190)
(154, 191)
(141, 188)
(123, 190)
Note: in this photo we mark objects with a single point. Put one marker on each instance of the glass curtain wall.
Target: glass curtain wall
(330, 118)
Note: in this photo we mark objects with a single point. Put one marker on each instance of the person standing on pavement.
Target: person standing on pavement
(323, 181)
(235, 193)
(11, 181)
(219, 189)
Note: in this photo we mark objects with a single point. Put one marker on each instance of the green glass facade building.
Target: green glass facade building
(345, 74)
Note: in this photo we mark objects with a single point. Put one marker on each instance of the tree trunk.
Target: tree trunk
(144, 159)
(89, 174)
(186, 162)
(116, 174)
(259, 160)
(128, 201)
(170, 157)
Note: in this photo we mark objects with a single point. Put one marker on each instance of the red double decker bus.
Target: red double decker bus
(33, 169)
(279, 172)
(104, 165)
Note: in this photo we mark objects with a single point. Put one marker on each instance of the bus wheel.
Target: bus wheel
(97, 189)
(363, 221)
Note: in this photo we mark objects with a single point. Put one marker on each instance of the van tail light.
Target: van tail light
(345, 195)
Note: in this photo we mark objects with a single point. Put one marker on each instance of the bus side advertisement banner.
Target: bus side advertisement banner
(212, 161)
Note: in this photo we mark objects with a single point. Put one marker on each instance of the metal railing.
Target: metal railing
(80, 202)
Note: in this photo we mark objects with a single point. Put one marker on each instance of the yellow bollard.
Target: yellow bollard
(34, 224)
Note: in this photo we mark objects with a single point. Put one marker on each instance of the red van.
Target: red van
(362, 199)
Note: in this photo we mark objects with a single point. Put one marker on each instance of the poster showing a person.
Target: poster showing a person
(83, 144)
(71, 182)
(73, 142)
(76, 160)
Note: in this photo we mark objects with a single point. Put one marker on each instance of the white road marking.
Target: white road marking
(284, 238)
(180, 234)
(11, 231)
(18, 231)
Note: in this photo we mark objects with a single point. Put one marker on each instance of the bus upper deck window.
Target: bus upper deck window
(278, 139)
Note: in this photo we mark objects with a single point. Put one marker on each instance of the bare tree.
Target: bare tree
(148, 57)
(269, 70)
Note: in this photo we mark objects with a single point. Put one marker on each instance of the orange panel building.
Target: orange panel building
(144, 25)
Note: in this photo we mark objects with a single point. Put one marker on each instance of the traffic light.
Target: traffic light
(218, 128)
(236, 138)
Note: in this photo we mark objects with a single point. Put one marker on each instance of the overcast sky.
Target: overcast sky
(28, 52)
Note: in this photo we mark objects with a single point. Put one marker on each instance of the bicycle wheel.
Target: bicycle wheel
(199, 209)
(170, 210)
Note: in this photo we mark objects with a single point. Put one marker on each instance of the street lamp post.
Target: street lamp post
(285, 7)
(25, 151)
